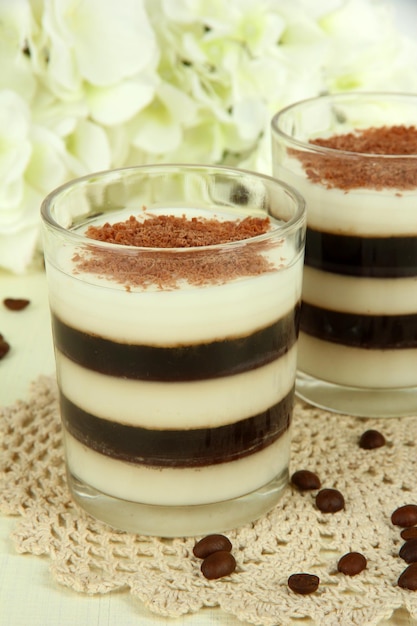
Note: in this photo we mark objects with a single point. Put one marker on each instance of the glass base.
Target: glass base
(356, 401)
(177, 521)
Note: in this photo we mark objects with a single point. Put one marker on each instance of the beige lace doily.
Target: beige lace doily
(90, 557)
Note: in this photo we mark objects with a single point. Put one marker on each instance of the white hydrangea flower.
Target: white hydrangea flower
(34, 159)
(15, 149)
(96, 41)
(30, 163)
(378, 60)
(16, 25)
(158, 128)
(116, 104)
(103, 53)
(224, 56)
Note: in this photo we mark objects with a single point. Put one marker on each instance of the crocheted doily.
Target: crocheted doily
(90, 557)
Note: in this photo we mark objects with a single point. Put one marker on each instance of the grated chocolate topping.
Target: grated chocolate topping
(371, 172)
(173, 261)
(169, 231)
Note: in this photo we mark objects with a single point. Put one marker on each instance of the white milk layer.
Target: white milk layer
(363, 212)
(186, 315)
(192, 404)
(182, 316)
(353, 294)
(357, 367)
(177, 486)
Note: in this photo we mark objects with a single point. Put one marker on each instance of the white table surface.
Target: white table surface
(28, 594)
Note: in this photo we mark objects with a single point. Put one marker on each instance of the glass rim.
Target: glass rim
(347, 96)
(281, 230)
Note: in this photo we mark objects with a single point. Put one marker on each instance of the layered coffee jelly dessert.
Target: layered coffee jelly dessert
(176, 355)
(359, 309)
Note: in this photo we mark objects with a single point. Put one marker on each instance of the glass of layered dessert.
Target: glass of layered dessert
(175, 293)
(354, 159)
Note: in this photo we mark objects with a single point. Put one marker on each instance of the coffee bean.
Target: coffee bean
(4, 347)
(352, 563)
(405, 516)
(218, 564)
(409, 533)
(303, 583)
(371, 439)
(210, 544)
(15, 304)
(305, 480)
(330, 501)
(408, 551)
(408, 579)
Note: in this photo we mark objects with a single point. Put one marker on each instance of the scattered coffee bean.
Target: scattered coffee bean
(371, 439)
(330, 501)
(405, 516)
(4, 347)
(408, 551)
(210, 544)
(305, 480)
(408, 579)
(409, 533)
(352, 563)
(15, 304)
(303, 583)
(218, 564)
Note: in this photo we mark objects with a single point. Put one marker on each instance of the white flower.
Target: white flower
(16, 25)
(34, 159)
(116, 104)
(101, 53)
(99, 42)
(15, 149)
(378, 58)
(27, 154)
(158, 128)
(87, 85)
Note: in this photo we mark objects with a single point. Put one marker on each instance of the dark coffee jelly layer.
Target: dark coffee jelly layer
(381, 257)
(178, 448)
(378, 332)
(180, 363)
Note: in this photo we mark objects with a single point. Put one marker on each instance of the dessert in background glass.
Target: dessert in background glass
(354, 159)
(175, 293)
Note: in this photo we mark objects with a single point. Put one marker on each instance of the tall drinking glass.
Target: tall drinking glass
(175, 293)
(354, 159)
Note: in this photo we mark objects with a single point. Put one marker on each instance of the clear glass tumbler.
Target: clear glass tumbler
(175, 351)
(353, 157)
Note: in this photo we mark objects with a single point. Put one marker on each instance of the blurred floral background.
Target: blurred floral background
(87, 85)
